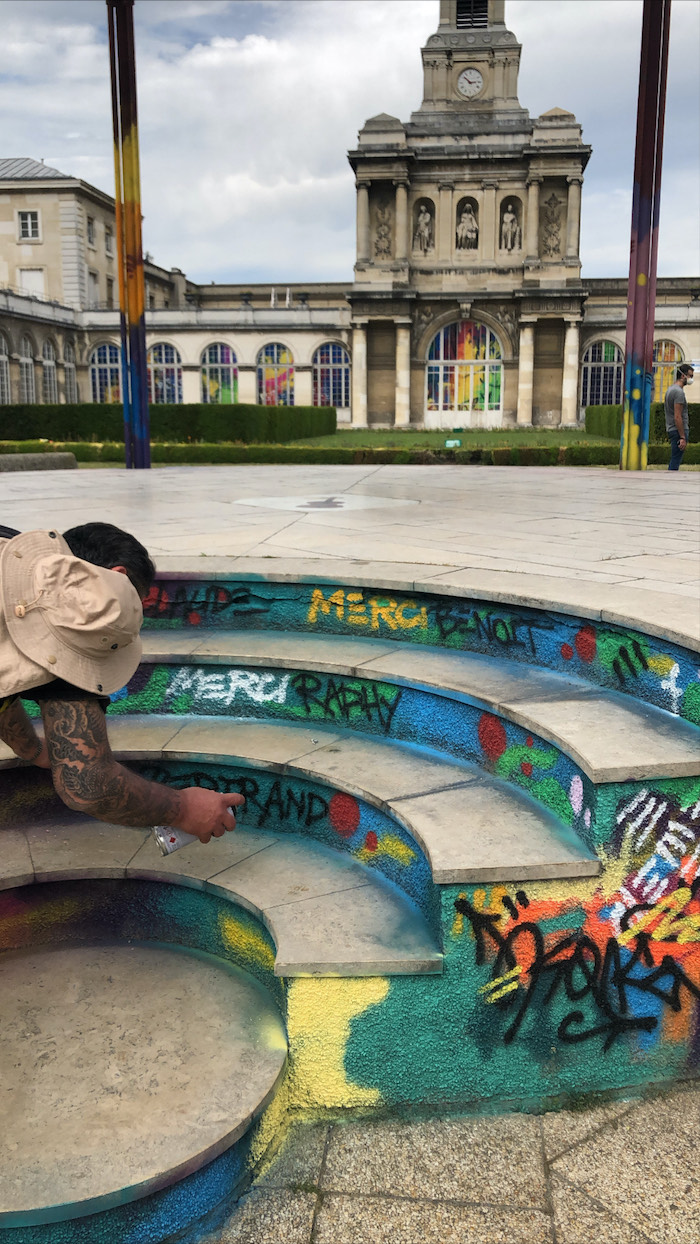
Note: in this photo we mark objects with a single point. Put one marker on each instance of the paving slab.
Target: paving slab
(268, 1217)
(580, 1219)
(101, 1060)
(381, 771)
(381, 1220)
(16, 866)
(200, 861)
(270, 744)
(564, 1129)
(483, 831)
(82, 847)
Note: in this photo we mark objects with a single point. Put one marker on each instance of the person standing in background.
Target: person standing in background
(676, 411)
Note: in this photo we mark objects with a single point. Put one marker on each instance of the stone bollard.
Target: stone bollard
(38, 462)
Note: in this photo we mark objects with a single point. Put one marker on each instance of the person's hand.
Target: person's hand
(682, 443)
(205, 813)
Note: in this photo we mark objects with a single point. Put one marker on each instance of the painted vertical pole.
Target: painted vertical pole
(641, 294)
(121, 254)
(128, 188)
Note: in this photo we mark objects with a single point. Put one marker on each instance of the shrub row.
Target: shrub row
(191, 455)
(202, 422)
(607, 421)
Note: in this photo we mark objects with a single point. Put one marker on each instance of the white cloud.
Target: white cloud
(247, 108)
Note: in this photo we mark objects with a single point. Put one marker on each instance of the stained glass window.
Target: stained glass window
(602, 375)
(331, 376)
(105, 374)
(49, 387)
(69, 372)
(666, 357)
(4, 371)
(275, 375)
(164, 375)
(27, 386)
(219, 374)
(465, 369)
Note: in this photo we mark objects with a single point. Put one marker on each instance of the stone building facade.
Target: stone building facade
(467, 307)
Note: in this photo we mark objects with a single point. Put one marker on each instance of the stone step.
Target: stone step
(471, 827)
(610, 735)
(328, 913)
(112, 1088)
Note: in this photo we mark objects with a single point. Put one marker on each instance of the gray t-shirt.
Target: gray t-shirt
(675, 395)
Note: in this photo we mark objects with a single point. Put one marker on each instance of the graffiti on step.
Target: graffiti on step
(200, 604)
(612, 964)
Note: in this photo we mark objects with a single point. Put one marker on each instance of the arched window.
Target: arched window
(4, 371)
(27, 386)
(219, 374)
(105, 374)
(602, 375)
(331, 376)
(465, 371)
(275, 375)
(666, 357)
(164, 375)
(69, 372)
(49, 387)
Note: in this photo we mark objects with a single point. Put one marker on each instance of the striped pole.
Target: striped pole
(641, 290)
(128, 220)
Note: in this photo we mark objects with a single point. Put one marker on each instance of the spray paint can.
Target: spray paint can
(170, 840)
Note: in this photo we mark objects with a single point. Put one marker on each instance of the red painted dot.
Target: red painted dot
(530, 741)
(194, 619)
(371, 841)
(344, 812)
(567, 651)
(585, 643)
(151, 600)
(526, 768)
(492, 736)
(221, 596)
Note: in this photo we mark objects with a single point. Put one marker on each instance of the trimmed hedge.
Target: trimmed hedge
(190, 455)
(607, 421)
(207, 422)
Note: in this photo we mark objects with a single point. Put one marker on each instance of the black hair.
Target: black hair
(683, 370)
(103, 544)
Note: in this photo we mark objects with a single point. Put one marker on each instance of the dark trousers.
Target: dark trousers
(676, 453)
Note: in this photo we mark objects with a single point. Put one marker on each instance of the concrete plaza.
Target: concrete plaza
(625, 548)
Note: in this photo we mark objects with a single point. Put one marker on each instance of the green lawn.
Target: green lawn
(367, 438)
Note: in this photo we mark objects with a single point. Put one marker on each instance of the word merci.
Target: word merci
(353, 609)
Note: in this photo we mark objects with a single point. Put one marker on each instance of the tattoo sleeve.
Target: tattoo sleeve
(17, 731)
(88, 778)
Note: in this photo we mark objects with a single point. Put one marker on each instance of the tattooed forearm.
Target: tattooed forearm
(18, 732)
(88, 778)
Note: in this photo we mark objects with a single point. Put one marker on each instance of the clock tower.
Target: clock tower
(470, 65)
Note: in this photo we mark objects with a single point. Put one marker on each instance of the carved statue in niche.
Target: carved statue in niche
(467, 236)
(510, 229)
(423, 231)
(382, 239)
(551, 225)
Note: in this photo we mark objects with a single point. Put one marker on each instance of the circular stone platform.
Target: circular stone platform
(121, 1069)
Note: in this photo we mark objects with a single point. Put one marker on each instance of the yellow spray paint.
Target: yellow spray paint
(319, 1013)
(246, 942)
(390, 845)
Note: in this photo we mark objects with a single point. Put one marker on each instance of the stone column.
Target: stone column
(532, 250)
(526, 372)
(402, 396)
(359, 375)
(445, 223)
(569, 381)
(489, 226)
(401, 246)
(191, 383)
(248, 383)
(362, 222)
(499, 69)
(302, 385)
(573, 216)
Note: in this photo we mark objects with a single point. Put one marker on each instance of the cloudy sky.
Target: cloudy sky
(247, 108)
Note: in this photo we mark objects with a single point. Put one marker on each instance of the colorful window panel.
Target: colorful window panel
(331, 376)
(105, 374)
(602, 375)
(665, 359)
(465, 372)
(275, 375)
(164, 375)
(219, 374)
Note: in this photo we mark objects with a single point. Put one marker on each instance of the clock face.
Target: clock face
(469, 83)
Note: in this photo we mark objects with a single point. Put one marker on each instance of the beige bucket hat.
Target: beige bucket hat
(77, 621)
